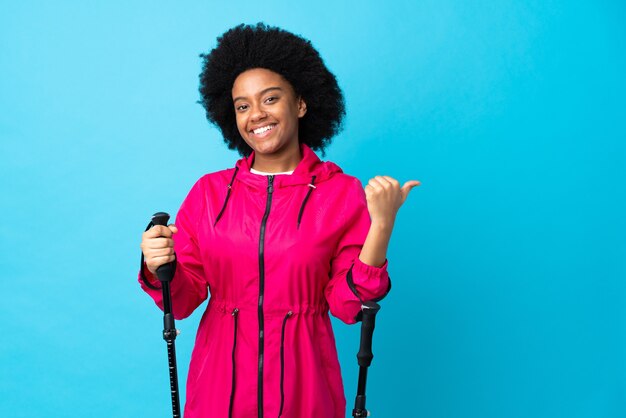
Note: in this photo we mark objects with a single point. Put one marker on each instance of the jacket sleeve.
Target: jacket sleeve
(189, 288)
(352, 281)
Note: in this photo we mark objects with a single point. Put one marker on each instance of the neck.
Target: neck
(277, 163)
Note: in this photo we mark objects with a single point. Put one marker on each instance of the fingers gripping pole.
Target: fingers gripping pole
(165, 273)
(365, 356)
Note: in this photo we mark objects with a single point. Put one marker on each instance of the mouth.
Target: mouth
(263, 131)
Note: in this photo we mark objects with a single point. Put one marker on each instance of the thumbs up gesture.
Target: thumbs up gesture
(385, 196)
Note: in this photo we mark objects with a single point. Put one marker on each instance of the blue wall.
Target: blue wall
(508, 262)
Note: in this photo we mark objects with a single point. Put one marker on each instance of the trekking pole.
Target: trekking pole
(165, 273)
(365, 356)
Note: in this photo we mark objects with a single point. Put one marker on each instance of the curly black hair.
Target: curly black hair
(246, 47)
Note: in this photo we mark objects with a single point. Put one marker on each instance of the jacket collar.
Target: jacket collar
(309, 166)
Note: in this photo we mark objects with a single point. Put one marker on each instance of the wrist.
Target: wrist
(383, 225)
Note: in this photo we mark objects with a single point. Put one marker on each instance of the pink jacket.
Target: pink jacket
(275, 253)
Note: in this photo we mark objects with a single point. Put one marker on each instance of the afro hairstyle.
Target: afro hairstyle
(245, 47)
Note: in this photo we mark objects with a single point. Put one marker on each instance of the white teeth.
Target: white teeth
(263, 129)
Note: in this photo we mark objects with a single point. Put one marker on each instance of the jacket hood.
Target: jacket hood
(309, 166)
(309, 172)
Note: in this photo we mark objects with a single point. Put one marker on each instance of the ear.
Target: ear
(301, 107)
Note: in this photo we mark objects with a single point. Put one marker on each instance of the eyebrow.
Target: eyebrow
(261, 93)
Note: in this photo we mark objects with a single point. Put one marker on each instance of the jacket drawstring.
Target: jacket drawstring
(311, 187)
(230, 187)
(282, 364)
(232, 390)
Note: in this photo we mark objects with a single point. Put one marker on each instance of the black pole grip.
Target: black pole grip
(165, 273)
(365, 356)
(367, 316)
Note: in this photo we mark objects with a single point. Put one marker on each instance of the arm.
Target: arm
(189, 287)
(359, 272)
(352, 279)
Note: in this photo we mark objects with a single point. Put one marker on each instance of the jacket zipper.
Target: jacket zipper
(282, 364)
(270, 190)
(232, 388)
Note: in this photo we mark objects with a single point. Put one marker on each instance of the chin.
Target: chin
(265, 146)
(267, 150)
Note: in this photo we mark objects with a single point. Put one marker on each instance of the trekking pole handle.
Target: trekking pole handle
(165, 273)
(369, 311)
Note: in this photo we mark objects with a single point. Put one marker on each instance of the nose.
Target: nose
(257, 113)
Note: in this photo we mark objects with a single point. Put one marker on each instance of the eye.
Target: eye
(271, 99)
(241, 108)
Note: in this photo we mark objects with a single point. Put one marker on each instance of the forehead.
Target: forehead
(254, 81)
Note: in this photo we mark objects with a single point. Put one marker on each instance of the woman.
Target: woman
(278, 240)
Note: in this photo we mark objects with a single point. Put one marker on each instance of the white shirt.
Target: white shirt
(263, 173)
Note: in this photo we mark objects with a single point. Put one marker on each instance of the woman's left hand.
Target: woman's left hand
(385, 196)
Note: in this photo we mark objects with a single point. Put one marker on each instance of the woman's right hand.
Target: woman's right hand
(157, 246)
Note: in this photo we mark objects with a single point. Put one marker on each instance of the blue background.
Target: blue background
(508, 262)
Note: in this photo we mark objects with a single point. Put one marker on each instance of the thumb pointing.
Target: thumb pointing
(406, 188)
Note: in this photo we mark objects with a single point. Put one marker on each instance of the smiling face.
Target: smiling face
(267, 112)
